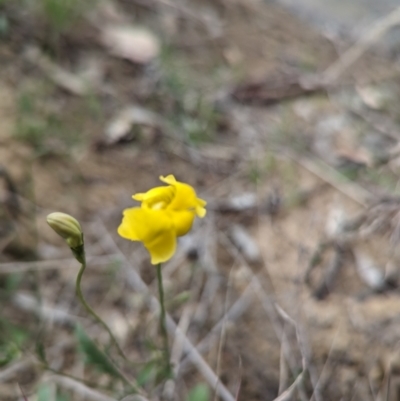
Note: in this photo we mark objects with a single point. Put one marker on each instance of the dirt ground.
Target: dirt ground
(288, 287)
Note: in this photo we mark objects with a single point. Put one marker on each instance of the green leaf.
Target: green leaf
(12, 282)
(4, 25)
(148, 373)
(44, 392)
(200, 392)
(12, 339)
(62, 397)
(178, 300)
(94, 356)
(40, 351)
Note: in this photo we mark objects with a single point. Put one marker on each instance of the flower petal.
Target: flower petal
(200, 208)
(144, 225)
(162, 248)
(201, 202)
(185, 197)
(156, 198)
(127, 228)
(200, 211)
(182, 220)
(155, 228)
(169, 179)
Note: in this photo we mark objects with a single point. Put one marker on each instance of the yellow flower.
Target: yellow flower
(166, 213)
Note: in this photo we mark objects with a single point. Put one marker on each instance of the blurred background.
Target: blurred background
(284, 115)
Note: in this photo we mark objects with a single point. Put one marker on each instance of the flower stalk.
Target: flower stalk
(69, 228)
(163, 323)
(80, 256)
(165, 213)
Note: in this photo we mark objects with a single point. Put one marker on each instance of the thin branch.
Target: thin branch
(348, 58)
(177, 350)
(10, 371)
(83, 390)
(222, 333)
(334, 178)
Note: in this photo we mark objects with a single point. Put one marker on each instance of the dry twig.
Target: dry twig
(80, 388)
(176, 351)
(334, 178)
(348, 58)
(9, 372)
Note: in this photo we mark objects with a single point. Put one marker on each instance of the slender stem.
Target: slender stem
(163, 324)
(80, 255)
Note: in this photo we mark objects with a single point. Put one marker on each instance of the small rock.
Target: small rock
(369, 273)
(132, 43)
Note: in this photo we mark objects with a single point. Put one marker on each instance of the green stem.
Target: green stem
(163, 324)
(80, 255)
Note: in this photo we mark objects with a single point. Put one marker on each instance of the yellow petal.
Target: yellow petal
(200, 208)
(139, 197)
(162, 247)
(169, 179)
(185, 197)
(155, 228)
(201, 202)
(127, 227)
(183, 221)
(200, 211)
(144, 225)
(156, 198)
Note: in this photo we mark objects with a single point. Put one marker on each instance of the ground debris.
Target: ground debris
(245, 243)
(369, 273)
(73, 83)
(265, 187)
(239, 203)
(121, 128)
(274, 89)
(135, 44)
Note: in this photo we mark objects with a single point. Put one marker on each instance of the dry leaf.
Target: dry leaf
(134, 44)
(120, 128)
(373, 97)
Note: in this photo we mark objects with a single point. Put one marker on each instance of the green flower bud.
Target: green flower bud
(67, 227)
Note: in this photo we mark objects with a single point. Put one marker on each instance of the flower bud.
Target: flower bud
(67, 227)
